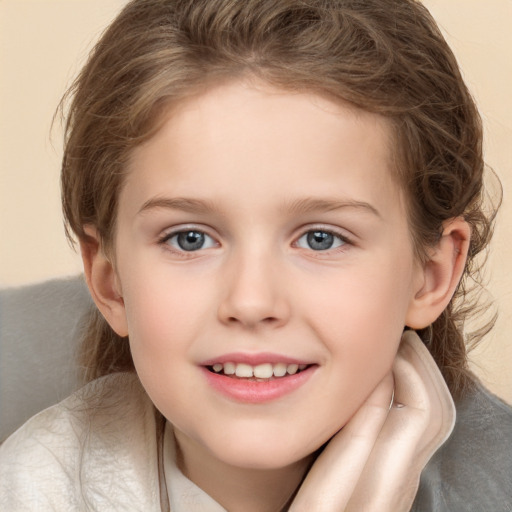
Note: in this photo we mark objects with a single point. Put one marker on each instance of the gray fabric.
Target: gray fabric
(38, 339)
(472, 471)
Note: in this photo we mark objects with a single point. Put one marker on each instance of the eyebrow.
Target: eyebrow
(185, 204)
(308, 205)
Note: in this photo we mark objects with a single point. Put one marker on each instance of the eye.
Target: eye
(189, 240)
(320, 240)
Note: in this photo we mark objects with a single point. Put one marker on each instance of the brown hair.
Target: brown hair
(383, 56)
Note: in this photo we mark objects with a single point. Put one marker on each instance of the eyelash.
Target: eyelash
(344, 240)
(341, 246)
(167, 237)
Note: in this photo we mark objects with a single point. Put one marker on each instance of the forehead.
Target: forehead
(269, 143)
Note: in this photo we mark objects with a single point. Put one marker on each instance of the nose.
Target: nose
(253, 293)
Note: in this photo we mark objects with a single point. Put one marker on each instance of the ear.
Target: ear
(440, 275)
(103, 282)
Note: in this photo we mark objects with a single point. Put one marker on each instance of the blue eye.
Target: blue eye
(189, 241)
(319, 240)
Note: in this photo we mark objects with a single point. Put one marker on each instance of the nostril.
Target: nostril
(268, 321)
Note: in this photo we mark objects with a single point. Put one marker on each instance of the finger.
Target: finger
(410, 435)
(334, 475)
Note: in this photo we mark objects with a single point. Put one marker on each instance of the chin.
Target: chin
(258, 453)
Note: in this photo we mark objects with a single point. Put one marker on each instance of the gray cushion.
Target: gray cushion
(472, 472)
(39, 331)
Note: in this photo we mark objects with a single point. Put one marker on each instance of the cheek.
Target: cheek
(162, 315)
(360, 318)
(162, 323)
(158, 296)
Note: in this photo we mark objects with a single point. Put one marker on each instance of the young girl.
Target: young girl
(279, 206)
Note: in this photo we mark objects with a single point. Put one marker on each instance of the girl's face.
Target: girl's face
(261, 232)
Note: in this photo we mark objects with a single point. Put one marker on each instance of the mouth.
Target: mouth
(264, 372)
(235, 378)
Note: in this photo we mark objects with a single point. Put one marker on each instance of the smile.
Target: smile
(265, 371)
(253, 379)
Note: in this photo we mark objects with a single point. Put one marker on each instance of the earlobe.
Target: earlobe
(103, 282)
(441, 274)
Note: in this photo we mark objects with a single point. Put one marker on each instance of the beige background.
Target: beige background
(43, 42)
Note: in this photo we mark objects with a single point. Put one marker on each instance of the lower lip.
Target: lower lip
(254, 392)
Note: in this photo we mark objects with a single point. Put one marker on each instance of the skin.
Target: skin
(260, 169)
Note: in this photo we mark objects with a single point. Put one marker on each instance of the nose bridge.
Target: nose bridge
(253, 292)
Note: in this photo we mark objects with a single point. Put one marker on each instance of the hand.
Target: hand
(374, 462)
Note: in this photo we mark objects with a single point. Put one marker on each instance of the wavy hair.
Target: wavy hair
(383, 56)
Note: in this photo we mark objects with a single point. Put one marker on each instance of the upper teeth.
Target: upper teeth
(261, 371)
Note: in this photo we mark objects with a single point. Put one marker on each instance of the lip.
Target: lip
(256, 392)
(253, 359)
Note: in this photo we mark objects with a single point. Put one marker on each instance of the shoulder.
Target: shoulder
(95, 450)
(472, 471)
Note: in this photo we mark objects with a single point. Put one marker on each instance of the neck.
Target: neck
(240, 489)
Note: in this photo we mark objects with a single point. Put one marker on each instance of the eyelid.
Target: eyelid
(171, 232)
(337, 232)
(187, 226)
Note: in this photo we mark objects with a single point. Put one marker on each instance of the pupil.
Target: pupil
(191, 240)
(320, 240)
